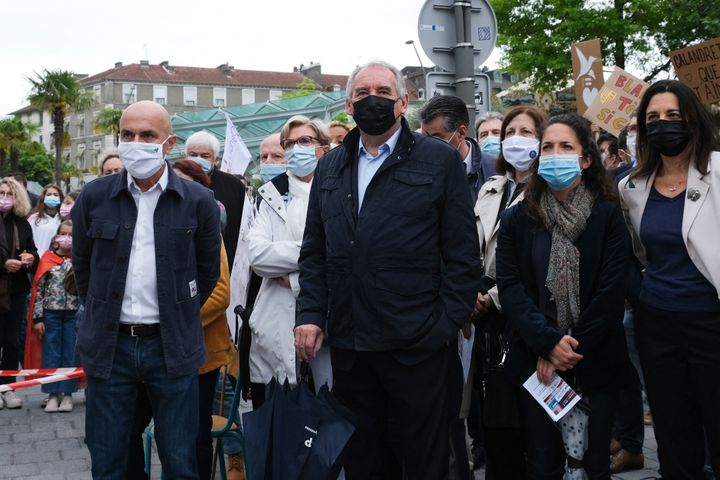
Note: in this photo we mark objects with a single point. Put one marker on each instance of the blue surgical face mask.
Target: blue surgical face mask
(490, 145)
(268, 171)
(559, 171)
(52, 202)
(204, 163)
(301, 160)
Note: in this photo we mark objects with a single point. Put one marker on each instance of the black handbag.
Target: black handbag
(500, 408)
(5, 284)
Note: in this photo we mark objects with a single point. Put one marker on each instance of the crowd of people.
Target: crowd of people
(374, 252)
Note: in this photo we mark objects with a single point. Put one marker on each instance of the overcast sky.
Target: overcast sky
(90, 36)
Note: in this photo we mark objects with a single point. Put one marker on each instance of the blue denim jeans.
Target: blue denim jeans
(59, 347)
(139, 363)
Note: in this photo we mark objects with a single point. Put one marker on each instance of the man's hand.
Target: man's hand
(39, 329)
(12, 265)
(483, 303)
(545, 371)
(308, 341)
(284, 280)
(563, 356)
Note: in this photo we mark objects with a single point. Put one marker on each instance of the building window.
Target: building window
(514, 78)
(160, 94)
(248, 95)
(219, 96)
(190, 96)
(81, 127)
(274, 94)
(421, 94)
(497, 76)
(97, 92)
(129, 92)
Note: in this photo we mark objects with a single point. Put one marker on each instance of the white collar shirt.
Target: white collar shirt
(140, 301)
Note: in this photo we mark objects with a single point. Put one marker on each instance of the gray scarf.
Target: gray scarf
(566, 222)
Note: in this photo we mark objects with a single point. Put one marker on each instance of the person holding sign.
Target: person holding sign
(561, 261)
(672, 212)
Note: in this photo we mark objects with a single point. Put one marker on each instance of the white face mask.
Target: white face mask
(142, 160)
(520, 152)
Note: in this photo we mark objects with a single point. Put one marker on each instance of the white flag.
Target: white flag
(236, 156)
(240, 277)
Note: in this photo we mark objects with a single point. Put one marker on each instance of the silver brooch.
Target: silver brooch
(693, 194)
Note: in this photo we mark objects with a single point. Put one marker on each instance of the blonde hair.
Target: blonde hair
(22, 202)
(321, 131)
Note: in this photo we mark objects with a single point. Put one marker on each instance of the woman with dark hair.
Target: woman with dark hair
(674, 217)
(519, 137)
(45, 218)
(21, 257)
(561, 258)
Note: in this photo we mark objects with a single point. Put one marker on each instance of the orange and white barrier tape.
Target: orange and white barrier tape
(39, 371)
(41, 381)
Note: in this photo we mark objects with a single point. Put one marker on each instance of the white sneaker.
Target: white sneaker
(52, 404)
(12, 400)
(67, 404)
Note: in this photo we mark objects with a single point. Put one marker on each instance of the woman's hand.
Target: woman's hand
(283, 281)
(12, 265)
(27, 259)
(563, 356)
(545, 371)
(39, 329)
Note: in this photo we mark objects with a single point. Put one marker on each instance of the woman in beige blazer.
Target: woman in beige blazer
(674, 218)
(519, 136)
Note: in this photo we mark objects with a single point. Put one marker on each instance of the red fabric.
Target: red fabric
(33, 343)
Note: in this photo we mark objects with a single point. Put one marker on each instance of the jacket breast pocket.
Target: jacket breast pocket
(183, 244)
(330, 200)
(104, 236)
(412, 193)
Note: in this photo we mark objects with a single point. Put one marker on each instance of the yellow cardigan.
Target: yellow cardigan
(218, 345)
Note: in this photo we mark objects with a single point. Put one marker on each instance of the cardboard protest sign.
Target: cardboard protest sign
(587, 72)
(617, 100)
(698, 67)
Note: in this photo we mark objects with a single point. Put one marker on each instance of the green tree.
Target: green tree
(536, 34)
(108, 122)
(342, 117)
(304, 88)
(36, 164)
(58, 92)
(14, 137)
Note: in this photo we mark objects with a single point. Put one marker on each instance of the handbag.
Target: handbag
(5, 284)
(500, 408)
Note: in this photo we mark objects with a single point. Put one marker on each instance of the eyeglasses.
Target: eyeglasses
(304, 141)
(6, 194)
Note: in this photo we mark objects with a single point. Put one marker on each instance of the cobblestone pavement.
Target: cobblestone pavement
(35, 445)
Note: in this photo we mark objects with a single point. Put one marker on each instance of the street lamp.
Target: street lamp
(412, 42)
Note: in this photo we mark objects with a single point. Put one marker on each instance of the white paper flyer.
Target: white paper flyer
(557, 398)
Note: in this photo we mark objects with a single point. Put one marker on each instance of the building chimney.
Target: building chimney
(166, 66)
(118, 64)
(226, 69)
(144, 63)
(313, 72)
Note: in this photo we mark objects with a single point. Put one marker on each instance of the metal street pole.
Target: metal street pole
(464, 64)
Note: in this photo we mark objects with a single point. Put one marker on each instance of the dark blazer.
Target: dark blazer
(403, 274)
(604, 256)
(230, 191)
(187, 249)
(19, 281)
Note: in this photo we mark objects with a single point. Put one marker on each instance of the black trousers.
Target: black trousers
(402, 412)
(680, 357)
(143, 415)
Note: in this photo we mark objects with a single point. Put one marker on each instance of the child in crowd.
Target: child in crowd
(53, 310)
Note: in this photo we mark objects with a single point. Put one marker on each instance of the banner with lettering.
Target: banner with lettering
(617, 100)
(698, 67)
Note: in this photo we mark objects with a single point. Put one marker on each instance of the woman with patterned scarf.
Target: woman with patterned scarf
(561, 259)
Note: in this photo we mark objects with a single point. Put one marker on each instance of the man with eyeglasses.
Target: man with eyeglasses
(146, 256)
(389, 271)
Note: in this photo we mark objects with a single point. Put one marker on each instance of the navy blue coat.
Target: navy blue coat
(187, 249)
(404, 273)
(604, 257)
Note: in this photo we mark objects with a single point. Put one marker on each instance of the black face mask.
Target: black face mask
(669, 137)
(374, 115)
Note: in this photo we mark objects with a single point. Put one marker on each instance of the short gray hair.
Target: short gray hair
(376, 63)
(321, 130)
(203, 138)
(488, 116)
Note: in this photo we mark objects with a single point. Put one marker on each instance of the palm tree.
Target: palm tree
(59, 92)
(14, 136)
(108, 122)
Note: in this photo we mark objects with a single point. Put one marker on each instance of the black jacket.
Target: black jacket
(19, 281)
(604, 257)
(404, 273)
(482, 167)
(230, 191)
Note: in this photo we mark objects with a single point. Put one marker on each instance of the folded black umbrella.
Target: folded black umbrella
(295, 435)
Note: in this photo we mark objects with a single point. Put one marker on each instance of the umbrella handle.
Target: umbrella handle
(304, 372)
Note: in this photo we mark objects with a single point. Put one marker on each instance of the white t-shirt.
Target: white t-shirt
(44, 231)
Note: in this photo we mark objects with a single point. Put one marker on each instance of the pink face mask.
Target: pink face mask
(6, 204)
(64, 241)
(65, 210)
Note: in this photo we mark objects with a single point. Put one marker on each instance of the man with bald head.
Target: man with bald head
(146, 255)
